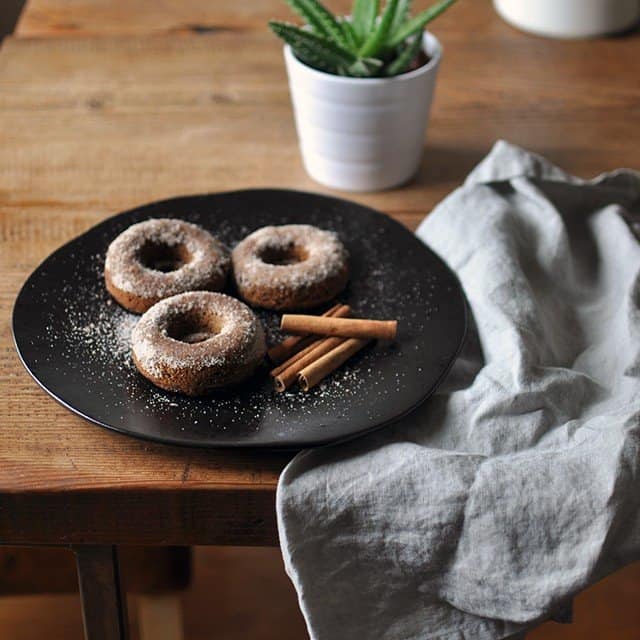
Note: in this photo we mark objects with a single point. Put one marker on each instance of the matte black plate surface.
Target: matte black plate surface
(74, 339)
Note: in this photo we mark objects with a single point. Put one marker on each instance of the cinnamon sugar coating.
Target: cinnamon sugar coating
(197, 341)
(295, 266)
(162, 257)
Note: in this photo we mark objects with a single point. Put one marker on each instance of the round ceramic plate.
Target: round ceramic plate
(74, 339)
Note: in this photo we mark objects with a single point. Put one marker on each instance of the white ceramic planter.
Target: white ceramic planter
(570, 18)
(362, 134)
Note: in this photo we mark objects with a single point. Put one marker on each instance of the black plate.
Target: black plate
(73, 338)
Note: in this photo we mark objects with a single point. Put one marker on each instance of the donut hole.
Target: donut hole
(164, 257)
(283, 255)
(194, 328)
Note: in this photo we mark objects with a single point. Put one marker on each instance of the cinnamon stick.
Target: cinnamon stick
(287, 377)
(343, 327)
(289, 346)
(344, 310)
(307, 343)
(320, 368)
(315, 341)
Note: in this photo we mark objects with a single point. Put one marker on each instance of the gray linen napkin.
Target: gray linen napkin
(518, 483)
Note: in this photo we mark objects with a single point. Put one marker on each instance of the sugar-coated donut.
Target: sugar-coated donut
(294, 266)
(162, 257)
(198, 341)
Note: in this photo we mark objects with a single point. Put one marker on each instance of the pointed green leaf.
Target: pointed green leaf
(349, 34)
(311, 58)
(363, 17)
(378, 39)
(417, 24)
(402, 13)
(311, 48)
(357, 70)
(373, 62)
(365, 68)
(405, 58)
(321, 19)
(300, 7)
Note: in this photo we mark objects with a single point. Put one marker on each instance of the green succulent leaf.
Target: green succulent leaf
(323, 22)
(402, 13)
(313, 49)
(349, 34)
(365, 68)
(366, 45)
(363, 17)
(311, 58)
(418, 23)
(405, 57)
(377, 40)
(300, 7)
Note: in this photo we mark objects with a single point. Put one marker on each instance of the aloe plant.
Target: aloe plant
(369, 43)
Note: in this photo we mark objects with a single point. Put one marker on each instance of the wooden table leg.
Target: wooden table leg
(104, 605)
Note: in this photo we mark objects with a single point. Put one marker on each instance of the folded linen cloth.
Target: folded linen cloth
(518, 483)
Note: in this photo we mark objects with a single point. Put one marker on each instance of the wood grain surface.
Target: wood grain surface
(108, 104)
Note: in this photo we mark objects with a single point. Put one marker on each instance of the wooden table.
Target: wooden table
(107, 104)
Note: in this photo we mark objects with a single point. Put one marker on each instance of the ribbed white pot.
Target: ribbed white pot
(362, 134)
(570, 18)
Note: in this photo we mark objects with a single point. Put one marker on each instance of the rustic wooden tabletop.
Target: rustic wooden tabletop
(106, 104)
